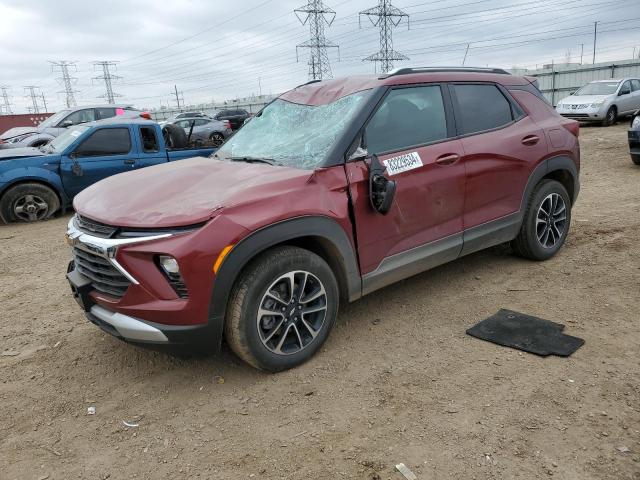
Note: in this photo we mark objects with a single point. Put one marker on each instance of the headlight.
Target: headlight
(636, 122)
(19, 138)
(597, 104)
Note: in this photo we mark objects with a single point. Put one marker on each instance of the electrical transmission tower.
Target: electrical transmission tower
(318, 16)
(5, 107)
(66, 80)
(107, 77)
(387, 17)
(35, 108)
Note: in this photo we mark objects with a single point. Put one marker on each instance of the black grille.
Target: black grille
(575, 115)
(94, 228)
(178, 285)
(103, 275)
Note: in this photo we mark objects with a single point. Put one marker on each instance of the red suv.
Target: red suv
(334, 190)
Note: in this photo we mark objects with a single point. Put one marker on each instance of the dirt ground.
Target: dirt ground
(397, 381)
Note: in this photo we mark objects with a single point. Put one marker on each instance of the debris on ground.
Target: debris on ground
(130, 425)
(404, 470)
(91, 410)
(623, 449)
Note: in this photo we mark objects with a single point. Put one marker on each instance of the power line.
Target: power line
(318, 15)
(387, 17)
(5, 108)
(107, 77)
(66, 80)
(35, 108)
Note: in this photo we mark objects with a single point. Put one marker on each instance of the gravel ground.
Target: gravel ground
(397, 381)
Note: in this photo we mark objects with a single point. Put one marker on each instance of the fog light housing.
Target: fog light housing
(171, 269)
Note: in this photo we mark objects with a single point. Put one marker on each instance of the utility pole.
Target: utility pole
(318, 16)
(175, 88)
(107, 77)
(66, 80)
(465, 54)
(595, 40)
(581, 52)
(34, 98)
(260, 83)
(44, 102)
(387, 17)
(5, 108)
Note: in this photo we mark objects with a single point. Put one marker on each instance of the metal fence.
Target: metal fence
(560, 81)
(251, 105)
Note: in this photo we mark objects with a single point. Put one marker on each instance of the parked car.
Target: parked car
(602, 101)
(634, 138)
(237, 117)
(205, 130)
(335, 190)
(57, 123)
(36, 182)
(179, 116)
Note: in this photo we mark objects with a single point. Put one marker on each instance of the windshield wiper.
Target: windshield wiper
(268, 161)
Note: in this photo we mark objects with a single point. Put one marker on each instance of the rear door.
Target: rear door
(107, 151)
(501, 147)
(411, 132)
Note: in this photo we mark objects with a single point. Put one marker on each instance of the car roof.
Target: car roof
(611, 80)
(102, 105)
(325, 92)
(119, 121)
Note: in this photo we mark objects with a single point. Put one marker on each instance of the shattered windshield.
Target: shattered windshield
(60, 143)
(294, 135)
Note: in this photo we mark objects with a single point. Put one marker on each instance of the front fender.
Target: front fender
(34, 174)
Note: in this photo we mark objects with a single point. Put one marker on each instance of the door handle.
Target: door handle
(448, 159)
(530, 140)
(129, 162)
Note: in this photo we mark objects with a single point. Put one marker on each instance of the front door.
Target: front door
(411, 132)
(107, 151)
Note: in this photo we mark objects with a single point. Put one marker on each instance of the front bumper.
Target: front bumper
(634, 142)
(583, 114)
(149, 311)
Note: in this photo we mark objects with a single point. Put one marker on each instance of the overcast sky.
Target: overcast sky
(215, 49)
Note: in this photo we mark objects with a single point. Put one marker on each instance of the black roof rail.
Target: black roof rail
(410, 70)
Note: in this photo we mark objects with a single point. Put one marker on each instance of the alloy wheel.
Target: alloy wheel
(30, 208)
(292, 313)
(217, 140)
(551, 221)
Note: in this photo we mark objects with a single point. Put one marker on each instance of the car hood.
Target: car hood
(15, 131)
(11, 153)
(183, 193)
(580, 99)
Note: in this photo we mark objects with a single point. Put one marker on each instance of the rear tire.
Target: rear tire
(635, 158)
(174, 136)
(611, 117)
(301, 292)
(28, 202)
(546, 222)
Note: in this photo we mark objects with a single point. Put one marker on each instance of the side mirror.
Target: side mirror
(65, 124)
(382, 191)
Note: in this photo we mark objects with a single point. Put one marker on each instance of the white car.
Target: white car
(602, 101)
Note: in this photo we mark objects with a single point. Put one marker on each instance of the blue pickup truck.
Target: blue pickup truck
(37, 182)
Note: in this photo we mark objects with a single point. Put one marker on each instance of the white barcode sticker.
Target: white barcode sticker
(403, 163)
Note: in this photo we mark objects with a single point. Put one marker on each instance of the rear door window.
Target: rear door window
(635, 85)
(407, 117)
(481, 108)
(102, 113)
(106, 141)
(149, 140)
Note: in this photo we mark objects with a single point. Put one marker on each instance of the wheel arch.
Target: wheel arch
(62, 198)
(561, 168)
(320, 235)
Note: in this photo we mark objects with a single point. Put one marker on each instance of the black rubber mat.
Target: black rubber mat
(527, 333)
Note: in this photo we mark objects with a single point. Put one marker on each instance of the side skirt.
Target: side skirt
(425, 257)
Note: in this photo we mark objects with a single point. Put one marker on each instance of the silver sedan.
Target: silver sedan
(206, 131)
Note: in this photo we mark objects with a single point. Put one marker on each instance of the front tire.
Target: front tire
(282, 309)
(546, 222)
(611, 117)
(28, 202)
